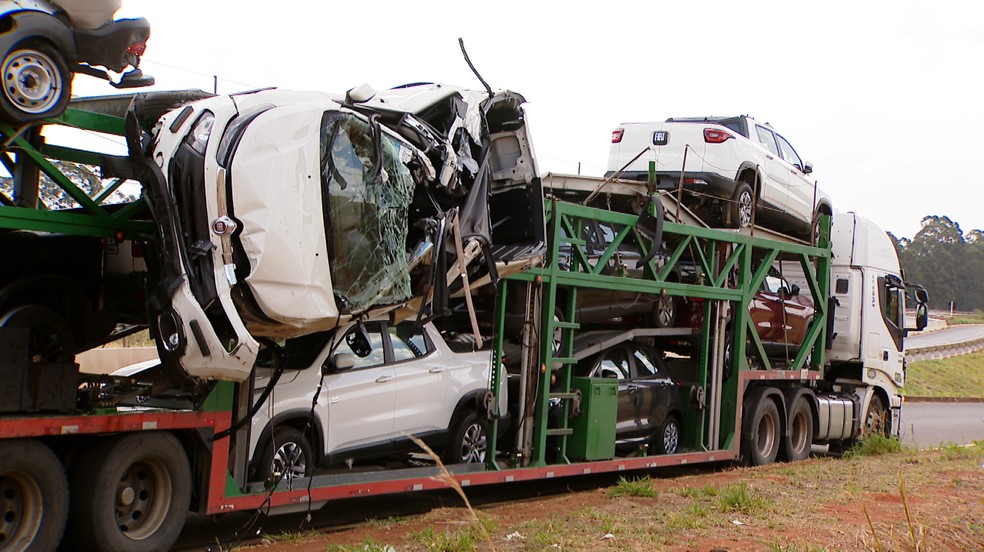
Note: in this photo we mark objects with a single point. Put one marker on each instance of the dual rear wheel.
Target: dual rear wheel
(766, 436)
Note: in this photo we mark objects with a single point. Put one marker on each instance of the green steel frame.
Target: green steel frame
(724, 261)
(25, 155)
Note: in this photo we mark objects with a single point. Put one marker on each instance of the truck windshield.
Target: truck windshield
(368, 196)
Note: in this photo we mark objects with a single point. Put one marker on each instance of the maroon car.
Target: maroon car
(780, 314)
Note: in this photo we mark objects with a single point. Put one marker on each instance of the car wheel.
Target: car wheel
(664, 311)
(557, 338)
(668, 439)
(286, 456)
(36, 83)
(738, 211)
(469, 440)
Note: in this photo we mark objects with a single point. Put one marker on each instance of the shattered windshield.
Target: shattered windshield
(369, 190)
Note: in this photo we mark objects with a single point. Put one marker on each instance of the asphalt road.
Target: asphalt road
(947, 336)
(930, 424)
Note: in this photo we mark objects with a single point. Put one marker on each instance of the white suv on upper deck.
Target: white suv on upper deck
(727, 165)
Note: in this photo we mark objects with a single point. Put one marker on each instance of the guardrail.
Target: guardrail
(937, 352)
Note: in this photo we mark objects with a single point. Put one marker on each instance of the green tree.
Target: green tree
(948, 264)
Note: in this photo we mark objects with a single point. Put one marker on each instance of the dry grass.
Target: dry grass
(905, 500)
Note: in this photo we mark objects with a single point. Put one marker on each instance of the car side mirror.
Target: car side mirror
(807, 167)
(341, 362)
(794, 290)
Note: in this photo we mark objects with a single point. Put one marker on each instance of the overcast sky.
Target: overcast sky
(886, 99)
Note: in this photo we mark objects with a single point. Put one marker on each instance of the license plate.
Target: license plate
(661, 137)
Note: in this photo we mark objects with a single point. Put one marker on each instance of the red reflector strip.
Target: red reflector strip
(137, 48)
(617, 135)
(716, 136)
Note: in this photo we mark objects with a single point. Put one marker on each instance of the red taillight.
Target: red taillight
(617, 135)
(137, 48)
(135, 250)
(716, 136)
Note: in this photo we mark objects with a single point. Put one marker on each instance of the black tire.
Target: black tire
(136, 491)
(292, 457)
(738, 211)
(798, 438)
(668, 439)
(151, 106)
(760, 440)
(33, 497)
(468, 441)
(36, 83)
(50, 339)
(665, 311)
(876, 420)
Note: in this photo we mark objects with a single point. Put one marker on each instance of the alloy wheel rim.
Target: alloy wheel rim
(671, 438)
(745, 209)
(289, 460)
(473, 445)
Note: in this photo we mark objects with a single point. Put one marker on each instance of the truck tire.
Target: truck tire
(136, 491)
(876, 420)
(469, 440)
(798, 439)
(36, 82)
(293, 457)
(760, 441)
(738, 211)
(33, 497)
(668, 439)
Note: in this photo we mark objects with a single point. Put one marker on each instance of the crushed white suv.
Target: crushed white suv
(360, 392)
(285, 213)
(729, 167)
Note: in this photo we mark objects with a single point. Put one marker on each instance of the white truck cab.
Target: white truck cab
(867, 345)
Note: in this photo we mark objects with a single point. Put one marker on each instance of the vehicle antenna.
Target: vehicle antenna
(488, 88)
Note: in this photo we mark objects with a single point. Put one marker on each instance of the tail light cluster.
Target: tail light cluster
(716, 136)
(137, 48)
(617, 135)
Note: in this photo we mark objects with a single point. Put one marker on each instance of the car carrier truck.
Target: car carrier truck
(113, 463)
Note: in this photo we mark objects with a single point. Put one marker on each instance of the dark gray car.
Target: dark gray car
(649, 403)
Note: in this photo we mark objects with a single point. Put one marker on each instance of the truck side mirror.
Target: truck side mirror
(807, 167)
(341, 362)
(922, 316)
(922, 296)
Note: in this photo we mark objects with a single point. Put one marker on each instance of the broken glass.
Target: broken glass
(369, 190)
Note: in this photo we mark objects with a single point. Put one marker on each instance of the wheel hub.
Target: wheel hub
(143, 497)
(19, 498)
(126, 496)
(474, 445)
(31, 81)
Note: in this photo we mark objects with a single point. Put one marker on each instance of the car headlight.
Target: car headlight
(198, 137)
